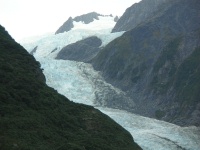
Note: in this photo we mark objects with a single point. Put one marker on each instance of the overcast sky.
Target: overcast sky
(24, 18)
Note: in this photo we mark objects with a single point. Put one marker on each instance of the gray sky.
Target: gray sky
(24, 18)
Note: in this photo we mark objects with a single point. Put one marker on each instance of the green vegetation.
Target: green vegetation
(167, 54)
(138, 72)
(159, 114)
(34, 116)
(166, 65)
(184, 78)
(187, 79)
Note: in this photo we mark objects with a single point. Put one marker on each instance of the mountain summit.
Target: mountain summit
(85, 19)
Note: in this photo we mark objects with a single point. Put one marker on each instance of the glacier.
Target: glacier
(82, 84)
(47, 43)
(152, 134)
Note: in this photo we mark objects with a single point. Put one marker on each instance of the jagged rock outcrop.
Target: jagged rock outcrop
(157, 63)
(34, 116)
(83, 50)
(138, 13)
(34, 50)
(67, 26)
(116, 18)
(86, 18)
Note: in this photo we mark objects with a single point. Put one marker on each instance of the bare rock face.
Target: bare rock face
(34, 50)
(67, 26)
(158, 63)
(116, 18)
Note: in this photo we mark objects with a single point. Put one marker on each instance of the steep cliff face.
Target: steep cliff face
(137, 14)
(151, 63)
(34, 116)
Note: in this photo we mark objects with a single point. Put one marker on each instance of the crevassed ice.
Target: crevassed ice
(45, 46)
(75, 80)
(67, 79)
(150, 134)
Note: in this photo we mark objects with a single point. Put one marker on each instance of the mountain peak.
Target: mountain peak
(85, 19)
(68, 25)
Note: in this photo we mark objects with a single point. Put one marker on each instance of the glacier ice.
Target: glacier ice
(82, 84)
(152, 134)
(48, 42)
(76, 83)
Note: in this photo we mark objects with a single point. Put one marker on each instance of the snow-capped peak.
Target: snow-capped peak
(49, 46)
(100, 24)
(90, 20)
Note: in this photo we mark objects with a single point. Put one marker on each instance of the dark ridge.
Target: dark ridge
(34, 50)
(83, 50)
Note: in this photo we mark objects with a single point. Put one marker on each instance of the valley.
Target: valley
(144, 71)
(80, 83)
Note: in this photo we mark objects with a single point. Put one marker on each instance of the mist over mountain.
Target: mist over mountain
(157, 61)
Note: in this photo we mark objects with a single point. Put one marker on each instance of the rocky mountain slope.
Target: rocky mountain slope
(157, 63)
(138, 13)
(83, 50)
(34, 116)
